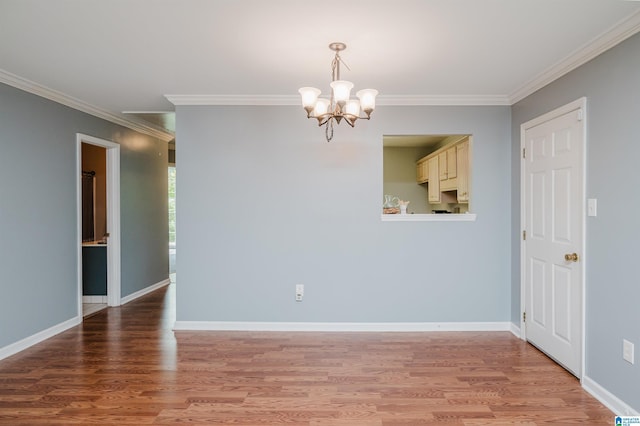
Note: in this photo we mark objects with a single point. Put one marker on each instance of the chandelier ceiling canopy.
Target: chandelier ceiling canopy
(338, 106)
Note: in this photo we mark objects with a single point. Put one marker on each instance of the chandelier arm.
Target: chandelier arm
(323, 122)
(357, 117)
(322, 119)
(338, 116)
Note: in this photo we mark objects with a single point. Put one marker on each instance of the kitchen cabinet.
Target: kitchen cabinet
(448, 160)
(462, 159)
(442, 165)
(434, 180)
(452, 162)
(447, 164)
(422, 172)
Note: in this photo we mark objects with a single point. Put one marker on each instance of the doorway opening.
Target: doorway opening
(98, 202)
(94, 228)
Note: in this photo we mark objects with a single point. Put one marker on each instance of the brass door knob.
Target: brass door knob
(571, 257)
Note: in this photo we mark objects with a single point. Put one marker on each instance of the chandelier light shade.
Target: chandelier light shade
(339, 105)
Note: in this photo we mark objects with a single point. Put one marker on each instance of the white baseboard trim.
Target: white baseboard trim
(612, 402)
(341, 326)
(515, 330)
(27, 342)
(144, 291)
(94, 299)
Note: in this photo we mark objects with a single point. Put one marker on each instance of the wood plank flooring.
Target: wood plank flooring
(125, 366)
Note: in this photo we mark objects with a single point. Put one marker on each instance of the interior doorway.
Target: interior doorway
(104, 237)
(94, 228)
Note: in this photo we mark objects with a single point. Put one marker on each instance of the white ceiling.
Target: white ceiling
(126, 55)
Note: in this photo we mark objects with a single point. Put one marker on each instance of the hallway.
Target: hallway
(125, 366)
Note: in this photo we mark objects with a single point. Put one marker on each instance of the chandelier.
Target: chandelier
(338, 106)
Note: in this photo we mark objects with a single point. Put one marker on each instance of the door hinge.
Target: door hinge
(524, 154)
(524, 235)
(524, 317)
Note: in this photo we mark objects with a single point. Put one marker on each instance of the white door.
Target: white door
(553, 218)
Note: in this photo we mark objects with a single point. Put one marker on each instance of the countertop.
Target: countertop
(94, 244)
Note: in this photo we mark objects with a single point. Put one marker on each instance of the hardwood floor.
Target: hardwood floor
(89, 309)
(125, 366)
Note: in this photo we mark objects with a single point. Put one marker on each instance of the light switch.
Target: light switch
(627, 351)
(592, 207)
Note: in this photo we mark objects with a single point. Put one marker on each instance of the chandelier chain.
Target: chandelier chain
(328, 130)
(335, 67)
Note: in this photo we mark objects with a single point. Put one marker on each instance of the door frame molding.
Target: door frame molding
(579, 104)
(113, 217)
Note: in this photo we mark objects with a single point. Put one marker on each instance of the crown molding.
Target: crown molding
(294, 100)
(59, 97)
(238, 100)
(442, 100)
(617, 34)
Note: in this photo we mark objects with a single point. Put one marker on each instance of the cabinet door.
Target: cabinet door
(425, 170)
(442, 165)
(451, 162)
(434, 181)
(422, 171)
(462, 154)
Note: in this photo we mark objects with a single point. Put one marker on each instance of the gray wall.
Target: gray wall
(611, 83)
(265, 203)
(400, 177)
(38, 210)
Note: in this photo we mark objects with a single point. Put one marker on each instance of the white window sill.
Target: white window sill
(463, 217)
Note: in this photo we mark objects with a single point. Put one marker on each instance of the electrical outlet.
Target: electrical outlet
(299, 292)
(627, 351)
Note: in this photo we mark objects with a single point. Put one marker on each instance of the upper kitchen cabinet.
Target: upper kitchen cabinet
(452, 162)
